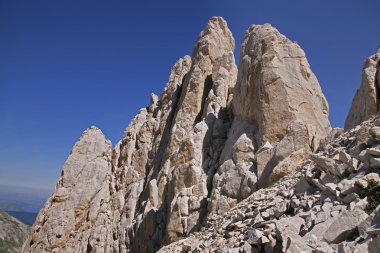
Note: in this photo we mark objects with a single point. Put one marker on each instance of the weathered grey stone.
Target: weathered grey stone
(374, 163)
(344, 157)
(373, 151)
(254, 236)
(344, 226)
(209, 152)
(375, 132)
(75, 217)
(363, 182)
(365, 104)
(329, 165)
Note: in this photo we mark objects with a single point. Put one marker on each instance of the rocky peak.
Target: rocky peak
(366, 100)
(330, 203)
(214, 40)
(275, 80)
(214, 136)
(74, 216)
(280, 116)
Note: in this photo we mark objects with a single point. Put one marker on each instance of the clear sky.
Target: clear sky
(67, 64)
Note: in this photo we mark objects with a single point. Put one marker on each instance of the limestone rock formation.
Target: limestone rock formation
(309, 210)
(280, 116)
(214, 136)
(366, 100)
(77, 214)
(13, 233)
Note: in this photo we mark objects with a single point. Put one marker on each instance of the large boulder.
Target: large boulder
(213, 137)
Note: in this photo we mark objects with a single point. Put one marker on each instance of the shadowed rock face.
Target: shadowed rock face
(327, 204)
(366, 100)
(213, 137)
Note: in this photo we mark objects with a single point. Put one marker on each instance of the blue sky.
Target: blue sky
(66, 65)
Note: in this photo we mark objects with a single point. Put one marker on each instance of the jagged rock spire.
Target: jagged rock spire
(366, 100)
(280, 115)
(76, 215)
(202, 147)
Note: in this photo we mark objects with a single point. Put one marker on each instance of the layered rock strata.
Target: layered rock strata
(214, 136)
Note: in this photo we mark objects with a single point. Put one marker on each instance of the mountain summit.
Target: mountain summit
(217, 136)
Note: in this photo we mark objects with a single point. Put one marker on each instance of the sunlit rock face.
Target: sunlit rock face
(78, 214)
(215, 135)
(366, 100)
(13, 233)
(280, 116)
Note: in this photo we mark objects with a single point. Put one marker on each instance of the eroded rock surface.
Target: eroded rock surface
(78, 214)
(311, 209)
(215, 136)
(366, 100)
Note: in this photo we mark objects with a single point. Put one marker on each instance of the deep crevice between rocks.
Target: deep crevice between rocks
(206, 90)
(89, 247)
(152, 172)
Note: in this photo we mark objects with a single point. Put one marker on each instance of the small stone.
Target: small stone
(375, 132)
(374, 163)
(344, 157)
(373, 151)
(347, 186)
(265, 215)
(349, 198)
(363, 182)
(254, 236)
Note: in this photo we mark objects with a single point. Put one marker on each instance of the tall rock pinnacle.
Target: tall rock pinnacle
(77, 214)
(214, 136)
(366, 101)
(280, 115)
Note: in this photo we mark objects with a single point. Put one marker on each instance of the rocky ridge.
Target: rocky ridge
(204, 153)
(366, 100)
(330, 203)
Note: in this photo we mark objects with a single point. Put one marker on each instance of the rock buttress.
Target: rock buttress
(280, 115)
(366, 100)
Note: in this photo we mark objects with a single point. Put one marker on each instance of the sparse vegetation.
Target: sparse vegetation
(218, 228)
(253, 160)
(372, 192)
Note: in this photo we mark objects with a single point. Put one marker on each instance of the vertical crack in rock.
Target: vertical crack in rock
(377, 85)
(206, 90)
(76, 214)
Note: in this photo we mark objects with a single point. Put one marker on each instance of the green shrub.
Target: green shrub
(372, 192)
(253, 160)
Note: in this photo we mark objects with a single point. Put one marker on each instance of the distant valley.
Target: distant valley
(22, 203)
